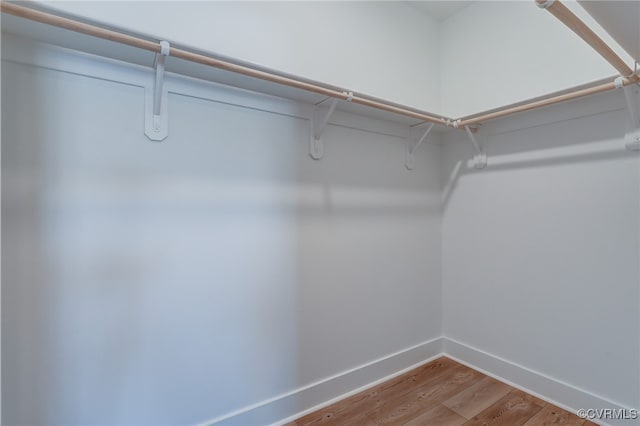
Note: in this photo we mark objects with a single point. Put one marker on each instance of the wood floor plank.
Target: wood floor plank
(514, 409)
(362, 402)
(478, 397)
(440, 415)
(529, 397)
(425, 397)
(552, 415)
(441, 393)
(354, 419)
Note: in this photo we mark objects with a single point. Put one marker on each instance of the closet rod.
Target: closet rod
(574, 23)
(70, 24)
(555, 7)
(541, 103)
(567, 17)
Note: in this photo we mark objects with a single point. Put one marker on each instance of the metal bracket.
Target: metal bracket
(632, 96)
(156, 125)
(318, 126)
(480, 159)
(409, 161)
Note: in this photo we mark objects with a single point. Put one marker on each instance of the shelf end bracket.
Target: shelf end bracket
(632, 96)
(480, 159)
(156, 114)
(410, 157)
(319, 124)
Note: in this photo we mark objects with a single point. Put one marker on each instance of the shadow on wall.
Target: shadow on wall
(548, 236)
(173, 282)
(548, 141)
(22, 248)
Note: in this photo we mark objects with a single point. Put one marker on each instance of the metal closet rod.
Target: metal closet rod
(555, 7)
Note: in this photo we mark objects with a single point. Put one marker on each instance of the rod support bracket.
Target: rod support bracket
(316, 146)
(409, 160)
(319, 122)
(632, 141)
(156, 115)
(349, 96)
(632, 96)
(480, 159)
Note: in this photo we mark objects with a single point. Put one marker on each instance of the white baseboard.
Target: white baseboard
(537, 384)
(297, 403)
(292, 405)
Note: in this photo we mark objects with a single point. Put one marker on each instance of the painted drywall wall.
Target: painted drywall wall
(495, 53)
(366, 47)
(541, 250)
(175, 282)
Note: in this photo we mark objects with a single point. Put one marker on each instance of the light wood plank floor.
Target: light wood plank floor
(443, 393)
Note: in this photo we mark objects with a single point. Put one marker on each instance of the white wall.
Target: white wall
(175, 282)
(495, 53)
(366, 47)
(541, 250)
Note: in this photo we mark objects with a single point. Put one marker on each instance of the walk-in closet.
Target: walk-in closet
(317, 213)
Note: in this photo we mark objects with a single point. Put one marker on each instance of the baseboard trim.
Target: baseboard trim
(297, 403)
(554, 391)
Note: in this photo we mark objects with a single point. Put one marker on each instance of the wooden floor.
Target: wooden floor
(444, 393)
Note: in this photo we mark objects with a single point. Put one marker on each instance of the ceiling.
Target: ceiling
(440, 10)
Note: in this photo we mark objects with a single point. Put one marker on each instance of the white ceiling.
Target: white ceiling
(440, 10)
(621, 19)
